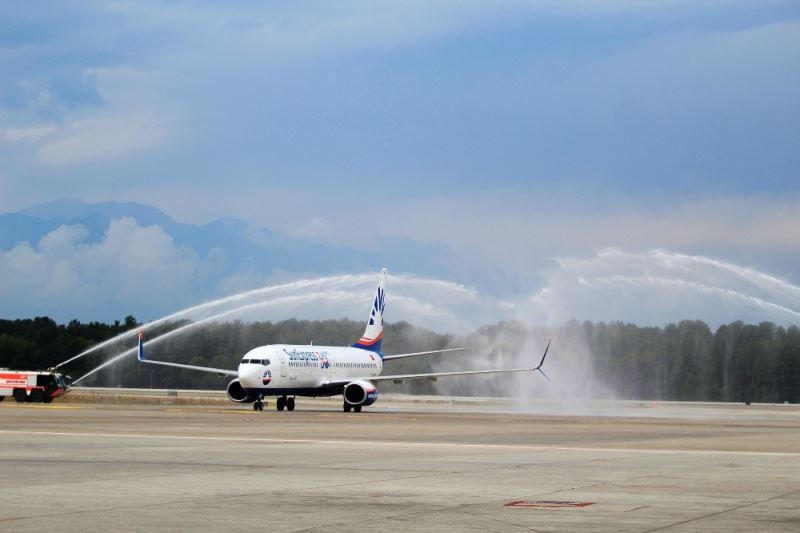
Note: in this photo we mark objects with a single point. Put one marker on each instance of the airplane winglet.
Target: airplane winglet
(539, 368)
(140, 353)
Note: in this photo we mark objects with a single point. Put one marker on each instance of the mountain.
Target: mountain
(16, 228)
(246, 246)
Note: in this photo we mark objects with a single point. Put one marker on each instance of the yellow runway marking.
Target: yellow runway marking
(26, 406)
(238, 411)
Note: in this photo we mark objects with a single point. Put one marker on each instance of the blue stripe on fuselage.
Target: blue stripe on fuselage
(312, 392)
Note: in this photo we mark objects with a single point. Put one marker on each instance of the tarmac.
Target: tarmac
(402, 464)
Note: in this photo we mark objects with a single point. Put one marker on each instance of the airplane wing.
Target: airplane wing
(414, 354)
(433, 376)
(219, 371)
(400, 378)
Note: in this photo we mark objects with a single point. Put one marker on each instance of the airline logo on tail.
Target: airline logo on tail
(373, 334)
(377, 307)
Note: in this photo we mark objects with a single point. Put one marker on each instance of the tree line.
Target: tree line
(684, 361)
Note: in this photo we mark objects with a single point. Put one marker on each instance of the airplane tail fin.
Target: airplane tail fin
(140, 353)
(373, 334)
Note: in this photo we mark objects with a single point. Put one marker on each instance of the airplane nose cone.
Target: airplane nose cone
(249, 375)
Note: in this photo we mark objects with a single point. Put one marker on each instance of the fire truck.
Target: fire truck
(32, 385)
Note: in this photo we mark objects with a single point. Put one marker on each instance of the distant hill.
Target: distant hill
(244, 243)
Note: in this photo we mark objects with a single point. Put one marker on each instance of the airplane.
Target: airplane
(287, 371)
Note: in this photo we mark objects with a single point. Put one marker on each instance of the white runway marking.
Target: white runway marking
(372, 443)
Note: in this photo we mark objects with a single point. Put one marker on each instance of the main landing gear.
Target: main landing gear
(283, 401)
(355, 408)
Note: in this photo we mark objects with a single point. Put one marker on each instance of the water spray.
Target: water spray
(193, 325)
(204, 306)
(610, 274)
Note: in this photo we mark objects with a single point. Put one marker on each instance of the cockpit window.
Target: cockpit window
(264, 362)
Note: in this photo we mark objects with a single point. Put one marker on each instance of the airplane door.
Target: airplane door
(283, 367)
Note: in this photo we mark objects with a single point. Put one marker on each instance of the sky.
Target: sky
(532, 139)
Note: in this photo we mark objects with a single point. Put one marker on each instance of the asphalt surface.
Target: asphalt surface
(398, 467)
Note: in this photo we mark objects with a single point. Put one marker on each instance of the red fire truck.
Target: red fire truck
(32, 385)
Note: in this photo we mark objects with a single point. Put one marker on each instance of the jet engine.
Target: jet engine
(360, 393)
(237, 393)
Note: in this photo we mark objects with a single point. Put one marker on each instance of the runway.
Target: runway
(79, 467)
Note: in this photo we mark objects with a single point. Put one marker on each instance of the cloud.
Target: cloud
(29, 134)
(509, 131)
(139, 270)
(132, 268)
(93, 139)
(62, 88)
(234, 75)
(314, 228)
(523, 229)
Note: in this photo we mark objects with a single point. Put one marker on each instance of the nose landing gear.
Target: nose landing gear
(258, 405)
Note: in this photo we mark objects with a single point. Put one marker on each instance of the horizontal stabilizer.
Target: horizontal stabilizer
(414, 354)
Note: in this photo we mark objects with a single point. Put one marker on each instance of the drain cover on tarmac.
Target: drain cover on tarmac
(547, 504)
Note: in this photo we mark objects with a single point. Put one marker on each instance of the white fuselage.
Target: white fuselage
(280, 369)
